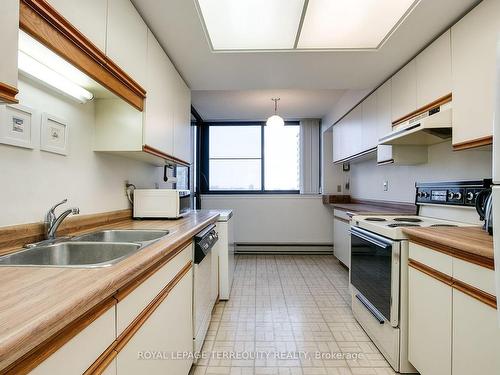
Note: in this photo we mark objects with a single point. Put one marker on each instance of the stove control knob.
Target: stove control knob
(457, 196)
(451, 195)
(470, 196)
(420, 194)
(425, 194)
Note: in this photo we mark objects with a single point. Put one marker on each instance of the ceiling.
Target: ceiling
(179, 29)
(257, 105)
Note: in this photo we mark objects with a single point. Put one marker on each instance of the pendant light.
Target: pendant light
(275, 120)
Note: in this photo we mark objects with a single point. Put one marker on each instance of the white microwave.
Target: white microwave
(161, 203)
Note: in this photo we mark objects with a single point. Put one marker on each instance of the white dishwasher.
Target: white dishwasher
(204, 289)
(225, 249)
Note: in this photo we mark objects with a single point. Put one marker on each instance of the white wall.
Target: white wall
(33, 180)
(444, 164)
(298, 219)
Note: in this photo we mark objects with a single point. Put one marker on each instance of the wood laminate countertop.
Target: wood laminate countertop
(374, 209)
(469, 243)
(38, 302)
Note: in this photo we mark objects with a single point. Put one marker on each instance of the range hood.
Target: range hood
(428, 128)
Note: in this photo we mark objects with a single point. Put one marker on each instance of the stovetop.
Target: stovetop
(392, 226)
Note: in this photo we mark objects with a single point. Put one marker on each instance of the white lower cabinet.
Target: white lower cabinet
(430, 319)
(476, 336)
(79, 353)
(166, 332)
(341, 238)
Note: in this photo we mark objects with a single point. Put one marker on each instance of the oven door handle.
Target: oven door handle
(376, 314)
(383, 245)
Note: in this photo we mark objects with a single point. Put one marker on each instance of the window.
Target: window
(250, 158)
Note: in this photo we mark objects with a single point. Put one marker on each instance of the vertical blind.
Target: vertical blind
(309, 156)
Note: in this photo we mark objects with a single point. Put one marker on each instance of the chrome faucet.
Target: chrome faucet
(52, 222)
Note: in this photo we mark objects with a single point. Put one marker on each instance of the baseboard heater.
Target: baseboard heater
(283, 248)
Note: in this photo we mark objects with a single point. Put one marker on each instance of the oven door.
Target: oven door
(375, 274)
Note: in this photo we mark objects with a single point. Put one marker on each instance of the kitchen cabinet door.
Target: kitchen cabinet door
(337, 142)
(473, 46)
(88, 16)
(404, 91)
(384, 122)
(476, 336)
(79, 353)
(429, 324)
(342, 241)
(369, 131)
(9, 29)
(433, 67)
(352, 133)
(159, 109)
(127, 39)
(167, 330)
(182, 121)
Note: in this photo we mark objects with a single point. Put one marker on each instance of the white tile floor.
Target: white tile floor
(288, 315)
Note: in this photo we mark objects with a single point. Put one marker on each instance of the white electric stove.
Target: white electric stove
(379, 262)
(392, 226)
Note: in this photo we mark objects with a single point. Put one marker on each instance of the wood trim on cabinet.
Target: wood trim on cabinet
(8, 93)
(436, 103)
(154, 151)
(456, 253)
(474, 143)
(129, 288)
(476, 293)
(442, 277)
(16, 236)
(465, 288)
(39, 19)
(40, 353)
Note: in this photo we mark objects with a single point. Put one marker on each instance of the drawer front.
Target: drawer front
(479, 277)
(431, 258)
(81, 351)
(130, 307)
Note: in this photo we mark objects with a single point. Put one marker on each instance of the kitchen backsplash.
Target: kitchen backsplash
(367, 179)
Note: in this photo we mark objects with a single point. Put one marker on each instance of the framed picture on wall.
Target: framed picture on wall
(54, 135)
(16, 126)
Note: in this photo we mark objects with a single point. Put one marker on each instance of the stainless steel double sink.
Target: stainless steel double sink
(92, 250)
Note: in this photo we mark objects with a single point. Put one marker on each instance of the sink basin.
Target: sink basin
(123, 235)
(72, 254)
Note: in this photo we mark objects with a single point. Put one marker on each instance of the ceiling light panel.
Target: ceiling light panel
(351, 24)
(251, 24)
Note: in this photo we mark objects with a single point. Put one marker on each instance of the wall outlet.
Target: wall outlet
(339, 188)
(386, 185)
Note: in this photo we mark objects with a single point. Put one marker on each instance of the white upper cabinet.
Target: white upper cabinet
(473, 46)
(404, 91)
(88, 16)
(126, 39)
(369, 136)
(384, 123)
(433, 67)
(182, 121)
(353, 140)
(9, 28)
(160, 100)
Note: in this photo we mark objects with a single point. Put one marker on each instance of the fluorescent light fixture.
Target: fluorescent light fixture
(349, 24)
(251, 24)
(40, 63)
